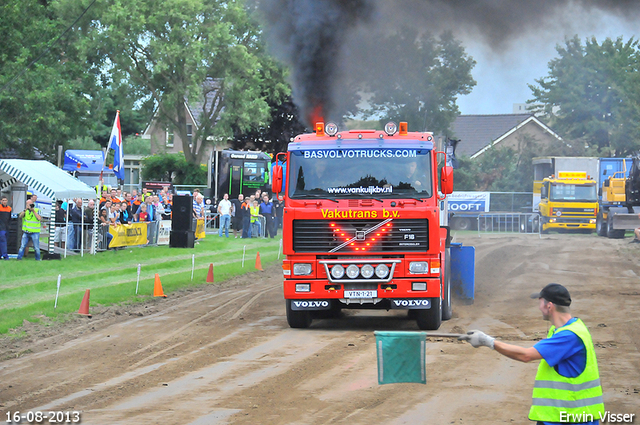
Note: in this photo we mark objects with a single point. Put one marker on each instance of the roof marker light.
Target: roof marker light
(403, 128)
(320, 129)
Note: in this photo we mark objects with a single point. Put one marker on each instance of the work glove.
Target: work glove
(478, 339)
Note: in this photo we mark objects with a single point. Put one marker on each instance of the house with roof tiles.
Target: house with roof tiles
(477, 133)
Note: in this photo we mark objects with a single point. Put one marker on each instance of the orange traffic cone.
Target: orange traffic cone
(84, 305)
(157, 288)
(258, 263)
(210, 275)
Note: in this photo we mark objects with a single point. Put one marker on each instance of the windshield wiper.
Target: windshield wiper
(317, 196)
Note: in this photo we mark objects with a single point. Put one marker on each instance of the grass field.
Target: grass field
(28, 288)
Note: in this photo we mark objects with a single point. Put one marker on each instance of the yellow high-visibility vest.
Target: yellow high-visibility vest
(557, 397)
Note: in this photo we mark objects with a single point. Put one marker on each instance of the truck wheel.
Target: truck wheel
(447, 310)
(333, 313)
(601, 227)
(297, 319)
(431, 319)
(461, 223)
(611, 232)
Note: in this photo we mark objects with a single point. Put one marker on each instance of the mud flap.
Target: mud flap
(463, 276)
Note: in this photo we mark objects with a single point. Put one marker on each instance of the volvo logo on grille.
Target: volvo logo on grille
(360, 235)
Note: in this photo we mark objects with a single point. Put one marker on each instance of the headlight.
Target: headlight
(552, 220)
(337, 271)
(353, 271)
(331, 129)
(302, 269)
(367, 271)
(303, 287)
(419, 267)
(593, 220)
(419, 286)
(382, 271)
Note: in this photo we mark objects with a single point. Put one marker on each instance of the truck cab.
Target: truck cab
(568, 201)
(361, 225)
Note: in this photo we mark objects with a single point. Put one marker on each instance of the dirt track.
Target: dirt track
(224, 353)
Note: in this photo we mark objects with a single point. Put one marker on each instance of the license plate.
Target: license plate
(361, 294)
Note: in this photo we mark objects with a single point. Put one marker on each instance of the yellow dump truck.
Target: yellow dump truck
(568, 201)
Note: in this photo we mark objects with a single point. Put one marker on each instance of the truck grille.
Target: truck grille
(361, 236)
(576, 211)
(572, 220)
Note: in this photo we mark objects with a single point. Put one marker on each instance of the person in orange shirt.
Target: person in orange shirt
(114, 197)
(5, 216)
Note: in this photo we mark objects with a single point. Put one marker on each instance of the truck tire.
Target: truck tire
(461, 223)
(297, 319)
(601, 226)
(611, 232)
(447, 310)
(431, 319)
(333, 313)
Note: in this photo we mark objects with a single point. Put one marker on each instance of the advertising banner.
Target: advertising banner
(164, 232)
(128, 234)
(468, 202)
(200, 229)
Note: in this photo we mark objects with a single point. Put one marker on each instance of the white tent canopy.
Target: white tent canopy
(44, 177)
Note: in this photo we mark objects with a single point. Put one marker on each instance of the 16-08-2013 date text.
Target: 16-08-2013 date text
(44, 417)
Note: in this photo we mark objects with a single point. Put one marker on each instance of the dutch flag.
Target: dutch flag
(115, 143)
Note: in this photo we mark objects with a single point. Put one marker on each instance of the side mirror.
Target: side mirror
(276, 184)
(446, 180)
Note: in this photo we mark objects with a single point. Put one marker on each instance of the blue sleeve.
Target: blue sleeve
(559, 347)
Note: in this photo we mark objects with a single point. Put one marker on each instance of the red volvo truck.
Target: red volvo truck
(361, 225)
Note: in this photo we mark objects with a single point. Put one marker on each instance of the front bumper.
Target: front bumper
(397, 288)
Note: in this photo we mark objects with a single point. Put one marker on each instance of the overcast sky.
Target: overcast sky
(502, 78)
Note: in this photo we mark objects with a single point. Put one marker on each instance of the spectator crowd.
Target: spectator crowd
(115, 208)
(257, 215)
(254, 216)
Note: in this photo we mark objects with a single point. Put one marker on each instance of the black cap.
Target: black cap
(554, 293)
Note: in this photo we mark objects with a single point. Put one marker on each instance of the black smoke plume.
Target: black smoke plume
(321, 39)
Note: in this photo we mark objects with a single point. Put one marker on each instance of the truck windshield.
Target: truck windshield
(366, 172)
(573, 193)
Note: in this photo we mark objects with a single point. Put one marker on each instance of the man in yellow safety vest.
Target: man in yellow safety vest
(30, 229)
(567, 387)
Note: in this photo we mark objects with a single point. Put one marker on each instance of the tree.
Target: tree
(417, 79)
(43, 105)
(273, 137)
(206, 52)
(591, 95)
(173, 167)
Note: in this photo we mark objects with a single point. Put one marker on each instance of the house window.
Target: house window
(169, 139)
(189, 132)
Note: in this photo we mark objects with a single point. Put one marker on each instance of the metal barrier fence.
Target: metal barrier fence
(509, 223)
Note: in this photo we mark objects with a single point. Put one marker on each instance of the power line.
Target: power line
(48, 49)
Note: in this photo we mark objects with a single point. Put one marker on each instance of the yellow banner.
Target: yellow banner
(200, 229)
(128, 234)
